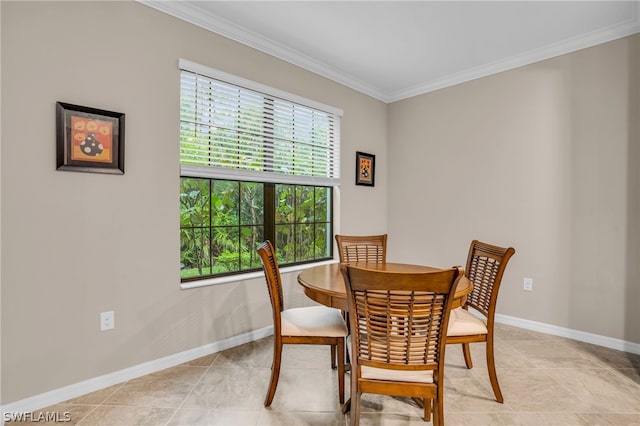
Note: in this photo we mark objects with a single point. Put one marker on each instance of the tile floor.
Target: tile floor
(546, 380)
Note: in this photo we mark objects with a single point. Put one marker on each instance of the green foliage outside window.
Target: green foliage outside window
(222, 222)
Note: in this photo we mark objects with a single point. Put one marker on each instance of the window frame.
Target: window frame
(331, 183)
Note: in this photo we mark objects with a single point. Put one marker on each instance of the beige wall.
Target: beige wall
(543, 158)
(76, 244)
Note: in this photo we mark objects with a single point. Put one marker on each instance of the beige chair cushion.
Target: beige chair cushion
(464, 323)
(366, 372)
(313, 321)
(425, 376)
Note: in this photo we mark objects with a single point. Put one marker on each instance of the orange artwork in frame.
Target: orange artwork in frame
(89, 139)
(365, 168)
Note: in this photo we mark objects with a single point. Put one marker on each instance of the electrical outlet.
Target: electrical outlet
(527, 284)
(107, 320)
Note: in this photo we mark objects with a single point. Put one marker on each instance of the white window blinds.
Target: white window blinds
(234, 128)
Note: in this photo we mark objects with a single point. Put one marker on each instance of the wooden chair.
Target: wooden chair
(485, 266)
(399, 322)
(313, 325)
(362, 248)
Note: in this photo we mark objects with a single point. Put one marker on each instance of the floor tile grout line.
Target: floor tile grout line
(175, 411)
(95, 407)
(101, 403)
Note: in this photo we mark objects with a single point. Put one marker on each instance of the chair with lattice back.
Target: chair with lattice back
(397, 344)
(485, 267)
(310, 325)
(362, 248)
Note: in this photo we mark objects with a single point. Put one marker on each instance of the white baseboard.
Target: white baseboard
(581, 336)
(82, 388)
(75, 390)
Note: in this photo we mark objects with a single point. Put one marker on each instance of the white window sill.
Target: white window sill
(248, 276)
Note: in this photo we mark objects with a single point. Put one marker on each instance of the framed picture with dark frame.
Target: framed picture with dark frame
(365, 169)
(89, 139)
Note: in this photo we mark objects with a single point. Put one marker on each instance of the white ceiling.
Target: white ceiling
(393, 50)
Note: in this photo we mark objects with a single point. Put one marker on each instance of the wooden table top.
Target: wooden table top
(325, 283)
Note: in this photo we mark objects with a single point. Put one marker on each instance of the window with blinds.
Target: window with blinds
(256, 163)
(228, 126)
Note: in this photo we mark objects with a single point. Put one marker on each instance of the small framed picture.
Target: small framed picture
(365, 169)
(89, 139)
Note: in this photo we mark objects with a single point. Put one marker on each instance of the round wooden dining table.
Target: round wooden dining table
(325, 284)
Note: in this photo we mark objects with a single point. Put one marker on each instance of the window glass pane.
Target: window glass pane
(194, 252)
(251, 203)
(194, 227)
(285, 203)
(323, 210)
(285, 244)
(305, 246)
(304, 204)
(250, 239)
(225, 249)
(194, 202)
(322, 241)
(225, 202)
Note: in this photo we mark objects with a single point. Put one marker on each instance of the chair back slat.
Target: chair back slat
(485, 266)
(399, 319)
(362, 248)
(273, 279)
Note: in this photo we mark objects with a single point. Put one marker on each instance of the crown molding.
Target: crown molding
(197, 16)
(610, 33)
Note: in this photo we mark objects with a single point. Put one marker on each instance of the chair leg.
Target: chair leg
(466, 350)
(355, 405)
(275, 373)
(491, 366)
(427, 409)
(346, 407)
(333, 356)
(340, 347)
(438, 409)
